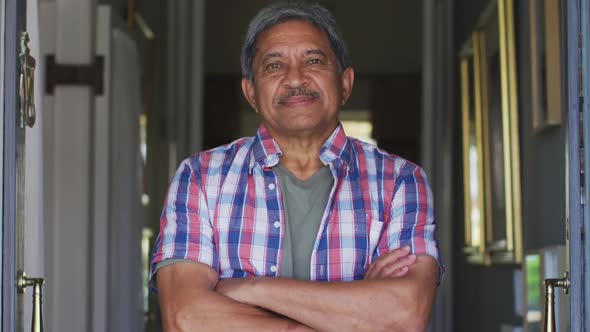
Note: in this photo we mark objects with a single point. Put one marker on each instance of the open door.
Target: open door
(18, 113)
(574, 280)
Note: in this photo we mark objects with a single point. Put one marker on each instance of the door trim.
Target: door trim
(1, 140)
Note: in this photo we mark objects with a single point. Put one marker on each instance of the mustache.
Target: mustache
(282, 99)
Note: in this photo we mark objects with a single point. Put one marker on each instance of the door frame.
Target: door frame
(585, 27)
(576, 213)
(14, 22)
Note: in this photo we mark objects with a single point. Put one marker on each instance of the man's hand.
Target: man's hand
(395, 263)
(235, 288)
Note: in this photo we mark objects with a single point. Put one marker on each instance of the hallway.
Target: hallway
(478, 92)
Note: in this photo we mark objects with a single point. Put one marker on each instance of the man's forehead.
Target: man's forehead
(302, 34)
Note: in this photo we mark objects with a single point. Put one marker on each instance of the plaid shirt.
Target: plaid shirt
(224, 209)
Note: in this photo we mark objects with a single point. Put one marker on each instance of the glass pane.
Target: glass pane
(533, 292)
(474, 164)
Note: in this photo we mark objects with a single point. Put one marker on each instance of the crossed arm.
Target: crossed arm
(392, 297)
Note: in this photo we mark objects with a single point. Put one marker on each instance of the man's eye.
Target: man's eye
(272, 66)
(314, 61)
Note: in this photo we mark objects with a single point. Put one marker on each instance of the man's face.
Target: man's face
(297, 86)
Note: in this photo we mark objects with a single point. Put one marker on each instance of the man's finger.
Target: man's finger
(386, 260)
(393, 269)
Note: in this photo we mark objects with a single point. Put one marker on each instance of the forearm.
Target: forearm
(215, 312)
(188, 303)
(389, 304)
(367, 305)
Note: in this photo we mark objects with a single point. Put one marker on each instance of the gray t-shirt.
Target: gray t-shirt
(305, 203)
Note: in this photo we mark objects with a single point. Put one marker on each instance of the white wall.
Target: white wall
(68, 33)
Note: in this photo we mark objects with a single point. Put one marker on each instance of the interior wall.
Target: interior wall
(484, 296)
(383, 37)
(395, 111)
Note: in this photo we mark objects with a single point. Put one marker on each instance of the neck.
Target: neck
(301, 153)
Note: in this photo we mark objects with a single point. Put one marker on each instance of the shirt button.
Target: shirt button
(277, 224)
(273, 268)
(271, 186)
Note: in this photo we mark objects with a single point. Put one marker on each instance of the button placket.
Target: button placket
(274, 218)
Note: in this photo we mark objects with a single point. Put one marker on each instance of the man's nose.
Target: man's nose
(295, 77)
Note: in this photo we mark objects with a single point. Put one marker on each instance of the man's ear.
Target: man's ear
(249, 92)
(347, 83)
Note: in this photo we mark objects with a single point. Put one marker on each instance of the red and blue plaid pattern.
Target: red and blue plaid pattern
(224, 209)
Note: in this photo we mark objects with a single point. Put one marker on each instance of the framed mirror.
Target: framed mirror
(500, 134)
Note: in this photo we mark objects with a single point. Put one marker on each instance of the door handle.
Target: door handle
(549, 311)
(22, 283)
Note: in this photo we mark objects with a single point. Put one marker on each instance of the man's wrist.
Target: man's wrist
(254, 288)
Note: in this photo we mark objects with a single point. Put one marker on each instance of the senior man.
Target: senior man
(299, 228)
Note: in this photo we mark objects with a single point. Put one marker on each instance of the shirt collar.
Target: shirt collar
(267, 152)
(336, 147)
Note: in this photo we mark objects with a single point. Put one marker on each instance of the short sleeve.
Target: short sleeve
(185, 226)
(411, 221)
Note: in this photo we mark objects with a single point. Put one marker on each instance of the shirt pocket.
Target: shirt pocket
(375, 232)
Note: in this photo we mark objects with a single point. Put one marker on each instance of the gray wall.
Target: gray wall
(484, 296)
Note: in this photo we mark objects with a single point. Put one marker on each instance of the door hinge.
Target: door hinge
(89, 75)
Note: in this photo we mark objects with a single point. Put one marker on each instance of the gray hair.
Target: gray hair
(284, 11)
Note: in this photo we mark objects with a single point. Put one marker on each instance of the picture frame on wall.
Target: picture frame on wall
(491, 154)
(545, 62)
(472, 147)
(500, 133)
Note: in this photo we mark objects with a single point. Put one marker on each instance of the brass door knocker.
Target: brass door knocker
(26, 83)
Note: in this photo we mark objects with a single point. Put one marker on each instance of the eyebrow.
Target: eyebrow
(315, 51)
(269, 56)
